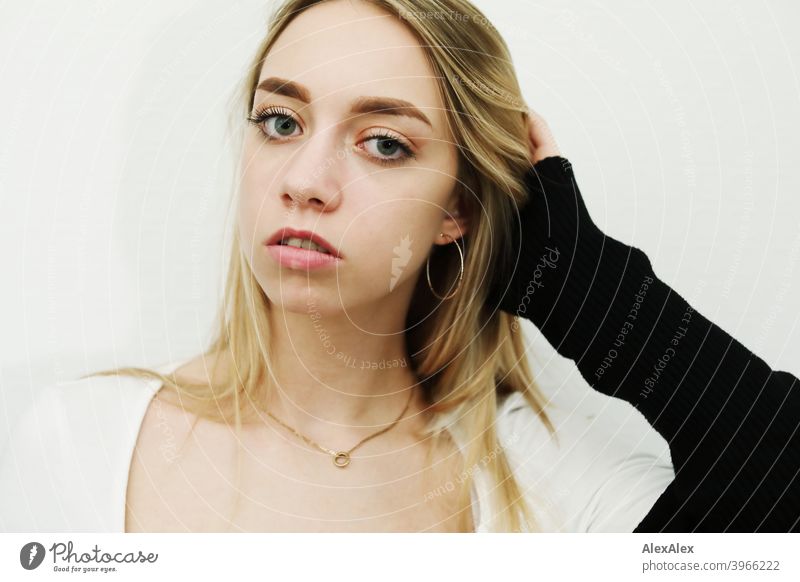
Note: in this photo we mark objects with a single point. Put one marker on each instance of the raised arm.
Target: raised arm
(730, 421)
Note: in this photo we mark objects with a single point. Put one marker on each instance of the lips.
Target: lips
(284, 233)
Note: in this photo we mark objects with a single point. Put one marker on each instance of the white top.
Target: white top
(66, 465)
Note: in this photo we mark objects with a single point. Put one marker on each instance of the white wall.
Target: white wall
(682, 120)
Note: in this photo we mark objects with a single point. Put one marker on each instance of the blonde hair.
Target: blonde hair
(465, 354)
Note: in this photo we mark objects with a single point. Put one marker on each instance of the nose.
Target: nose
(312, 175)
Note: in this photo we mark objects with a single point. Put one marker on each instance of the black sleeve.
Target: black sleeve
(730, 421)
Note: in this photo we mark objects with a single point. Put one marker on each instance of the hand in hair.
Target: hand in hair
(542, 143)
(549, 230)
(730, 421)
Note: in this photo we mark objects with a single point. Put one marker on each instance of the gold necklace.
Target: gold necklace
(342, 458)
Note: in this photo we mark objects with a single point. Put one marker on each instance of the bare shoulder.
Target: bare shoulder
(198, 370)
(166, 421)
(164, 430)
(163, 492)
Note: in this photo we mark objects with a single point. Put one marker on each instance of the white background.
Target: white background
(682, 121)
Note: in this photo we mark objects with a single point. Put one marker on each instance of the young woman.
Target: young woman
(400, 208)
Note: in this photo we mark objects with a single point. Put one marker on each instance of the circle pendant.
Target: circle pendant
(341, 459)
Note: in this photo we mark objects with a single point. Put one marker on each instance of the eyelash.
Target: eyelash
(262, 115)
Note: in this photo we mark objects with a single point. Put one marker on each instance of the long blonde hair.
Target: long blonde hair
(466, 355)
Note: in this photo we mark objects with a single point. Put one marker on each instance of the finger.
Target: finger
(541, 137)
(540, 132)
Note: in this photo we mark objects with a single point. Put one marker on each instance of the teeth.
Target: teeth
(304, 243)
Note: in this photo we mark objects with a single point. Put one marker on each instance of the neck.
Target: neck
(341, 376)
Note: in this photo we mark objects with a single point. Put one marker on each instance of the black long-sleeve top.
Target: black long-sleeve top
(731, 422)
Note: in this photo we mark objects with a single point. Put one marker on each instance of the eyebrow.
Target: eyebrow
(362, 105)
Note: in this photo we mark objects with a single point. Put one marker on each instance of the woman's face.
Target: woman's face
(377, 185)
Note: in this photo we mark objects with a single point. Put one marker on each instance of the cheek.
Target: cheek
(388, 210)
(388, 240)
(253, 172)
(255, 179)
(247, 217)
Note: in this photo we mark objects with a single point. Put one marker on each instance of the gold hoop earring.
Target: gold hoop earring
(460, 274)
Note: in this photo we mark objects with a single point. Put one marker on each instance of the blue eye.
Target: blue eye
(283, 121)
(284, 125)
(394, 144)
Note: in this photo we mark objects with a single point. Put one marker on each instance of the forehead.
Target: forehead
(342, 50)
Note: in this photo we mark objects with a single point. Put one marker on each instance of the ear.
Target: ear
(455, 221)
